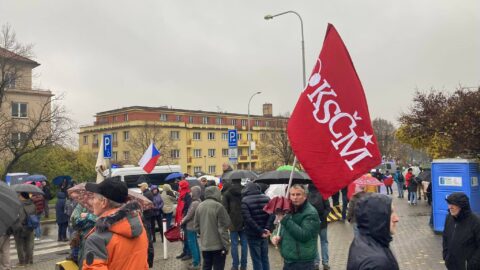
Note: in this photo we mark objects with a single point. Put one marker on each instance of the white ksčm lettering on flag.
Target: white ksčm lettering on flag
(349, 139)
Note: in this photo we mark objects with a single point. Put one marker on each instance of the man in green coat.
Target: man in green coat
(299, 232)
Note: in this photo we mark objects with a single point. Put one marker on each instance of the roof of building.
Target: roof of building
(4, 53)
(165, 108)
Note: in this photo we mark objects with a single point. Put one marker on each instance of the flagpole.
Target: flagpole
(304, 78)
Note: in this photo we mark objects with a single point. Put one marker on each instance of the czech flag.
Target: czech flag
(149, 158)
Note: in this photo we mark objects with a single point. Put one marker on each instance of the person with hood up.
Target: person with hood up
(376, 220)
(461, 235)
(187, 222)
(323, 209)
(62, 217)
(157, 212)
(258, 224)
(169, 200)
(184, 201)
(232, 200)
(211, 222)
(118, 241)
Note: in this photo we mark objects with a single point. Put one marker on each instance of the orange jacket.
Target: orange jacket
(118, 241)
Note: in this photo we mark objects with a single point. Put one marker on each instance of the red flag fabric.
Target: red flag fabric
(330, 129)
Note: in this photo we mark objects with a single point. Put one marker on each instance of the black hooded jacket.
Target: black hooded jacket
(256, 220)
(232, 201)
(322, 206)
(370, 248)
(461, 236)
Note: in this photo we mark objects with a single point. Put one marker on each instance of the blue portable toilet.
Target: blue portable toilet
(453, 175)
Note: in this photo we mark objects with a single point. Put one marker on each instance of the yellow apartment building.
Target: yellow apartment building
(22, 105)
(195, 140)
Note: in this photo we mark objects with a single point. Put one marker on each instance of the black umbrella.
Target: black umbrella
(9, 207)
(239, 174)
(282, 177)
(28, 188)
(425, 176)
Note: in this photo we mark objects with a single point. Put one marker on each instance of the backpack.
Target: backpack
(32, 221)
(400, 177)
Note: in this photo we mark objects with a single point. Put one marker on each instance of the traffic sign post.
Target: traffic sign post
(107, 146)
(107, 151)
(232, 146)
(232, 138)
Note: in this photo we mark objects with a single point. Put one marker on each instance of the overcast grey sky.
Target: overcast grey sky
(212, 55)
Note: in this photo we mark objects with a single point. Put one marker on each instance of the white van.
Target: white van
(133, 176)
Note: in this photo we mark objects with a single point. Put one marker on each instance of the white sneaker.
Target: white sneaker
(37, 239)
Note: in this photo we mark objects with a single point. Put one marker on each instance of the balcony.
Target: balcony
(243, 142)
(254, 157)
(242, 158)
(189, 160)
(115, 143)
(189, 143)
(95, 144)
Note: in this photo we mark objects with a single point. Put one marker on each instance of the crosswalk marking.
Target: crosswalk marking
(41, 247)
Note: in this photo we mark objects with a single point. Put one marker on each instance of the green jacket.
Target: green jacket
(299, 234)
(211, 221)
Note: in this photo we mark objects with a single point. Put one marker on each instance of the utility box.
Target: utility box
(453, 175)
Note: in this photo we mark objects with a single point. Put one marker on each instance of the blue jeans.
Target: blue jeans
(193, 245)
(169, 219)
(38, 230)
(259, 253)
(400, 189)
(234, 236)
(413, 197)
(324, 246)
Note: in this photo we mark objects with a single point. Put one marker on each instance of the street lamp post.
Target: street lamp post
(249, 136)
(269, 17)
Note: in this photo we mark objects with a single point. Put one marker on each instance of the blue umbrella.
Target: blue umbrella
(173, 176)
(36, 178)
(59, 179)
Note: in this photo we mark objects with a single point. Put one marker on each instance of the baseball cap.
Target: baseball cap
(110, 188)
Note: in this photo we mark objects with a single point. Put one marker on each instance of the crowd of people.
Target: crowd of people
(231, 221)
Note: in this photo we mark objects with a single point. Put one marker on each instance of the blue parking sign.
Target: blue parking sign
(232, 138)
(107, 145)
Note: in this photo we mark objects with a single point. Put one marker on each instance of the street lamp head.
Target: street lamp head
(258, 92)
(268, 17)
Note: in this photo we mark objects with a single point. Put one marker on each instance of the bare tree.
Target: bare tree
(141, 139)
(46, 122)
(274, 146)
(18, 137)
(385, 133)
(13, 57)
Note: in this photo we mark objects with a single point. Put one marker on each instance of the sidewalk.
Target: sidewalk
(415, 245)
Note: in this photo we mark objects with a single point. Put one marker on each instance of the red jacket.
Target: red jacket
(408, 177)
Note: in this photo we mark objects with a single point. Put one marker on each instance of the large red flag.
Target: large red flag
(330, 129)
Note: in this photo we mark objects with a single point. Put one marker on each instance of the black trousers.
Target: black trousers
(150, 251)
(62, 231)
(213, 260)
(158, 220)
